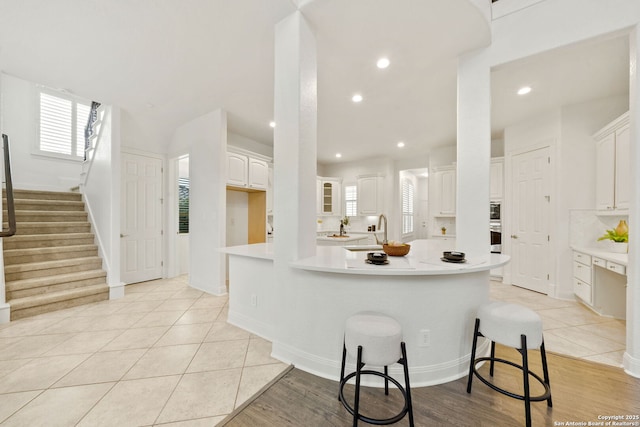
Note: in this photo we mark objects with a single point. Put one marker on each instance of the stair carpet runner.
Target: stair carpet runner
(52, 262)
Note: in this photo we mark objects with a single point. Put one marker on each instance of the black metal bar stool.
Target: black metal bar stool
(374, 339)
(514, 326)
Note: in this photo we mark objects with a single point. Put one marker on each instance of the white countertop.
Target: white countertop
(423, 259)
(256, 250)
(622, 259)
(351, 237)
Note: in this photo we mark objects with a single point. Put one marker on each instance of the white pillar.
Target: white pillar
(473, 154)
(207, 199)
(631, 359)
(295, 114)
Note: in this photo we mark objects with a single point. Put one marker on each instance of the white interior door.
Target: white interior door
(141, 219)
(530, 220)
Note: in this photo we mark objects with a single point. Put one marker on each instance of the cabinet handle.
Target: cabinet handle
(513, 236)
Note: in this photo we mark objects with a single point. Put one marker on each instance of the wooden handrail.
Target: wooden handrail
(11, 209)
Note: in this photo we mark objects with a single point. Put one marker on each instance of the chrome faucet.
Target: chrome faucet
(380, 218)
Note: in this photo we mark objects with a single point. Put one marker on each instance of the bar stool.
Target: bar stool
(376, 340)
(514, 326)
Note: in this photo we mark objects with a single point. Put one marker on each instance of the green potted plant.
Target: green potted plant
(618, 238)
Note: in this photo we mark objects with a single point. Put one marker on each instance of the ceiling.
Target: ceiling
(166, 62)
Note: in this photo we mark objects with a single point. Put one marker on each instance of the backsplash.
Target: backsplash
(585, 227)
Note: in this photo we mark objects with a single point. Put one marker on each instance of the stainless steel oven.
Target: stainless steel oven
(494, 211)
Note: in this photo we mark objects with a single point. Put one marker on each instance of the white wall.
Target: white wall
(205, 140)
(249, 144)
(20, 122)
(102, 196)
(237, 218)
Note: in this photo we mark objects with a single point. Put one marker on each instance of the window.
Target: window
(62, 122)
(183, 205)
(407, 206)
(350, 200)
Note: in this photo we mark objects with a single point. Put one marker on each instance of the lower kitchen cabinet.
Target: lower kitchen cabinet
(600, 281)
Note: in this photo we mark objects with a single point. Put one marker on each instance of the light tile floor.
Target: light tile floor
(570, 327)
(164, 355)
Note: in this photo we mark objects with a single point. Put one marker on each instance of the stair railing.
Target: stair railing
(91, 140)
(11, 209)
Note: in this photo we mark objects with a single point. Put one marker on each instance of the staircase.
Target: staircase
(52, 262)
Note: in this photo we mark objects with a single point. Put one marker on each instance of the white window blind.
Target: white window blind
(351, 200)
(407, 206)
(62, 123)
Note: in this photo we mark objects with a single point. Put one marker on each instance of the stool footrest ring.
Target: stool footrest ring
(544, 396)
(375, 421)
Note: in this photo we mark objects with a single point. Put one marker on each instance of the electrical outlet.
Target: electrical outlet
(424, 338)
(254, 300)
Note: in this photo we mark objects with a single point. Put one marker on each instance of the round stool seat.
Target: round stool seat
(504, 323)
(380, 337)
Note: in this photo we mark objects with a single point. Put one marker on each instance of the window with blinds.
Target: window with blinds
(62, 123)
(350, 200)
(407, 206)
(183, 205)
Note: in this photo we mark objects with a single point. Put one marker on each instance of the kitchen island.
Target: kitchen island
(435, 302)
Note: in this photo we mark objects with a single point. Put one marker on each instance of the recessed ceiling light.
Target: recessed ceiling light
(524, 90)
(383, 63)
(338, 155)
(357, 98)
(400, 144)
(272, 124)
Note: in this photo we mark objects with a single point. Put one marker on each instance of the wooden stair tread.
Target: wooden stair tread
(43, 265)
(47, 250)
(53, 297)
(55, 279)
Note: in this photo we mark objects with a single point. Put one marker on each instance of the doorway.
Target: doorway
(530, 220)
(141, 218)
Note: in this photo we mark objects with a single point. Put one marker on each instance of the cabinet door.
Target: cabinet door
(605, 172)
(270, 192)
(446, 192)
(258, 174)
(237, 169)
(622, 172)
(336, 193)
(496, 180)
(368, 196)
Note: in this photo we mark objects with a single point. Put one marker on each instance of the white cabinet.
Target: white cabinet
(613, 166)
(444, 199)
(237, 169)
(496, 179)
(582, 277)
(329, 200)
(270, 191)
(247, 170)
(370, 195)
(258, 174)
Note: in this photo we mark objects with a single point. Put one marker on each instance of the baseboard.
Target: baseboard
(116, 291)
(5, 313)
(631, 365)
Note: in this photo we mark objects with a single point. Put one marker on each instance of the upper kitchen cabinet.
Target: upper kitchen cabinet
(329, 200)
(270, 191)
(370, 195)
(613, 167)
(247, 170)
(444, 200)
(497, 179)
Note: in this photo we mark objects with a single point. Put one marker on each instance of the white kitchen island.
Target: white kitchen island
(435, 302)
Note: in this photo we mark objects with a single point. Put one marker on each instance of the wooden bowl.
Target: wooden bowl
(396, 250)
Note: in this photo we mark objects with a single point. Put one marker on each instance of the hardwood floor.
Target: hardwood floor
(582, 392)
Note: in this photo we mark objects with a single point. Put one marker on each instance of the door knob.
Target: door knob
(513, 236)
(123, 235)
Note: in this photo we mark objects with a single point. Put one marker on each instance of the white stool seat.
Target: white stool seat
(504, 323)
(380, 337)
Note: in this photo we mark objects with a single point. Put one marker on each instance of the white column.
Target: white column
(294, 166)
(631, 359)
(207, 199)
(473, 154)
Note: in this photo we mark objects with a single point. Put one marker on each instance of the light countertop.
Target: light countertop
(351, 237)
(423, 259)
(622, 259)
